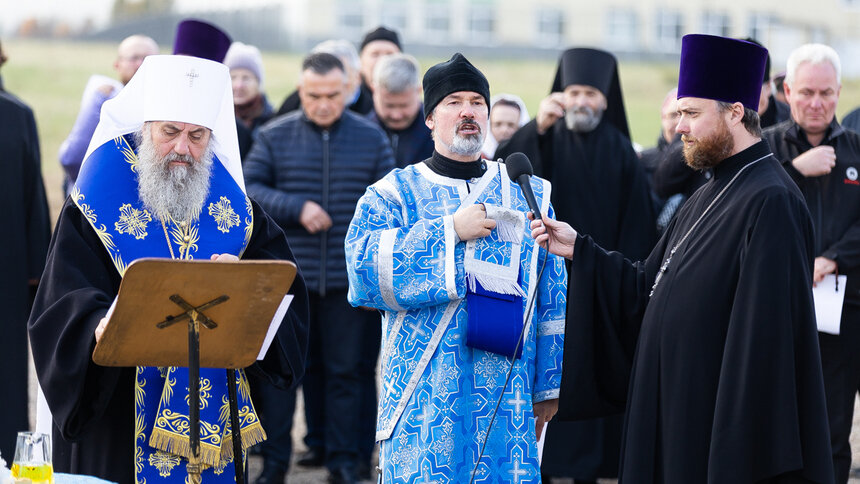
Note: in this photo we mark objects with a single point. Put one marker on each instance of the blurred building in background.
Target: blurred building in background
(650, 29)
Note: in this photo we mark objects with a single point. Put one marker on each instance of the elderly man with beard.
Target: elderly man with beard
(580, 142)
(711, 340)
(161, 178)
(441, 248)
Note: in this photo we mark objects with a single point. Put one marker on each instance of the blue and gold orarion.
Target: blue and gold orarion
(107, 194)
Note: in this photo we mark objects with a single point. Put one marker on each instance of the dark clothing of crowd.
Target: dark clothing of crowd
(292, 161)
(833, 201)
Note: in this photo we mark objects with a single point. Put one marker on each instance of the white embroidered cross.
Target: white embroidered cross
(516, 471)
(518, 402)
(416, 328)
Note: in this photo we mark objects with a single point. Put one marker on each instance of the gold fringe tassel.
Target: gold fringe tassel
(252, 435)
(180, 445)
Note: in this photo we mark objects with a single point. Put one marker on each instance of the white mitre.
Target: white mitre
(176, 88)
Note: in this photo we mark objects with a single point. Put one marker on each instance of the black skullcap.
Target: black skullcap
(458, 74)
(381, 33)
(721, 69)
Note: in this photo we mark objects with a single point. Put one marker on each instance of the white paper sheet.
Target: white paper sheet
(275, 324)
(829, 295)
(540, 443)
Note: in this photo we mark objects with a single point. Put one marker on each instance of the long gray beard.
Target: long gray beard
(176, 193)
(582, 119)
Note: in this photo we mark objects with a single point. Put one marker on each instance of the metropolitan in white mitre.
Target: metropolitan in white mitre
(161, 178)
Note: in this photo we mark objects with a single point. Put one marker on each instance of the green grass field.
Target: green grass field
(50, 77)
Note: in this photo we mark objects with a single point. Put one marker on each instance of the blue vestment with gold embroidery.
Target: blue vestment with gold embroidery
(439, 394)
(107, 194)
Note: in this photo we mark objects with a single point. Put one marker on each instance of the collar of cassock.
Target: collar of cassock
(728, 167)
(462, 170)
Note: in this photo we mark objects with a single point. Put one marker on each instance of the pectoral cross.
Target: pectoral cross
(191, 75)
(662, 270)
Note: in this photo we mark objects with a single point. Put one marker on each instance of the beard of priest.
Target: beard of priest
(173, 185)
(705, 150)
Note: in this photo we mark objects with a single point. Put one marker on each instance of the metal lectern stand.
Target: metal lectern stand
(242, 296)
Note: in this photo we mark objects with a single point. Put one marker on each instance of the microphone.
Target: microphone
(520, 169)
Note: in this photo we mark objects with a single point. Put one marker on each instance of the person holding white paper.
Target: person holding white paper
(823, 158)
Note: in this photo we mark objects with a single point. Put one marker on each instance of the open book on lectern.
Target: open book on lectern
(240, 306)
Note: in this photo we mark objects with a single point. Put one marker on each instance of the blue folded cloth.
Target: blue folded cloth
(495, 322)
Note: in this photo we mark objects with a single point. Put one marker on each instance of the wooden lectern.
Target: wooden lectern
(234, 302)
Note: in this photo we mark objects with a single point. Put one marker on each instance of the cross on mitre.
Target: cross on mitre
(191, 75)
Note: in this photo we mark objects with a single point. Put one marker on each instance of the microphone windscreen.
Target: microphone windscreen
(517, 165)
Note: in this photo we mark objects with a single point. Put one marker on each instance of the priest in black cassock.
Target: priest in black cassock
(580, 142)
(710, 343)
(23, 245)
(161, 178)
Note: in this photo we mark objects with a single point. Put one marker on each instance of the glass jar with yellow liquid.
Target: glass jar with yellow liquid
(32, 464)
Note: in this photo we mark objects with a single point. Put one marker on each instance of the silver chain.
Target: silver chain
(696, 223)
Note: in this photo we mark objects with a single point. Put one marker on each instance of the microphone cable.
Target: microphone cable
(510, 368)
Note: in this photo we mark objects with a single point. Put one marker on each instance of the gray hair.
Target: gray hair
(343, 49)
(813, 54)
(396, 73)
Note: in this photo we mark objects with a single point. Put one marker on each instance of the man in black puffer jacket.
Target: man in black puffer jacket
(308, 169)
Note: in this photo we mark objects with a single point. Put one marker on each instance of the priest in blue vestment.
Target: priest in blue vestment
(161, 178)
(473, 311)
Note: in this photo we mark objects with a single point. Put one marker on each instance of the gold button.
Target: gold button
(186, 238)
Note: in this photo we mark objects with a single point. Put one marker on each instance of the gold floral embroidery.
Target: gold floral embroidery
(127, 153)
(249, 221)
(164, 462)
(100, 229)
(139, 424)
(205, 395)
(132, 221)
(186, 237)
(167, 392)
(223, 213)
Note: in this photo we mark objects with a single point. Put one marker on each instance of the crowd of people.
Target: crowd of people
(651, 319)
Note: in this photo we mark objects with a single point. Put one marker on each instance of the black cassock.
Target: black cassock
(720, 368)
(599, 186)
(23, 245)
(601, 189)
(93, 406)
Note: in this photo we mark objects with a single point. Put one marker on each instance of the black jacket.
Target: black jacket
(833, 199)
(293, 161)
